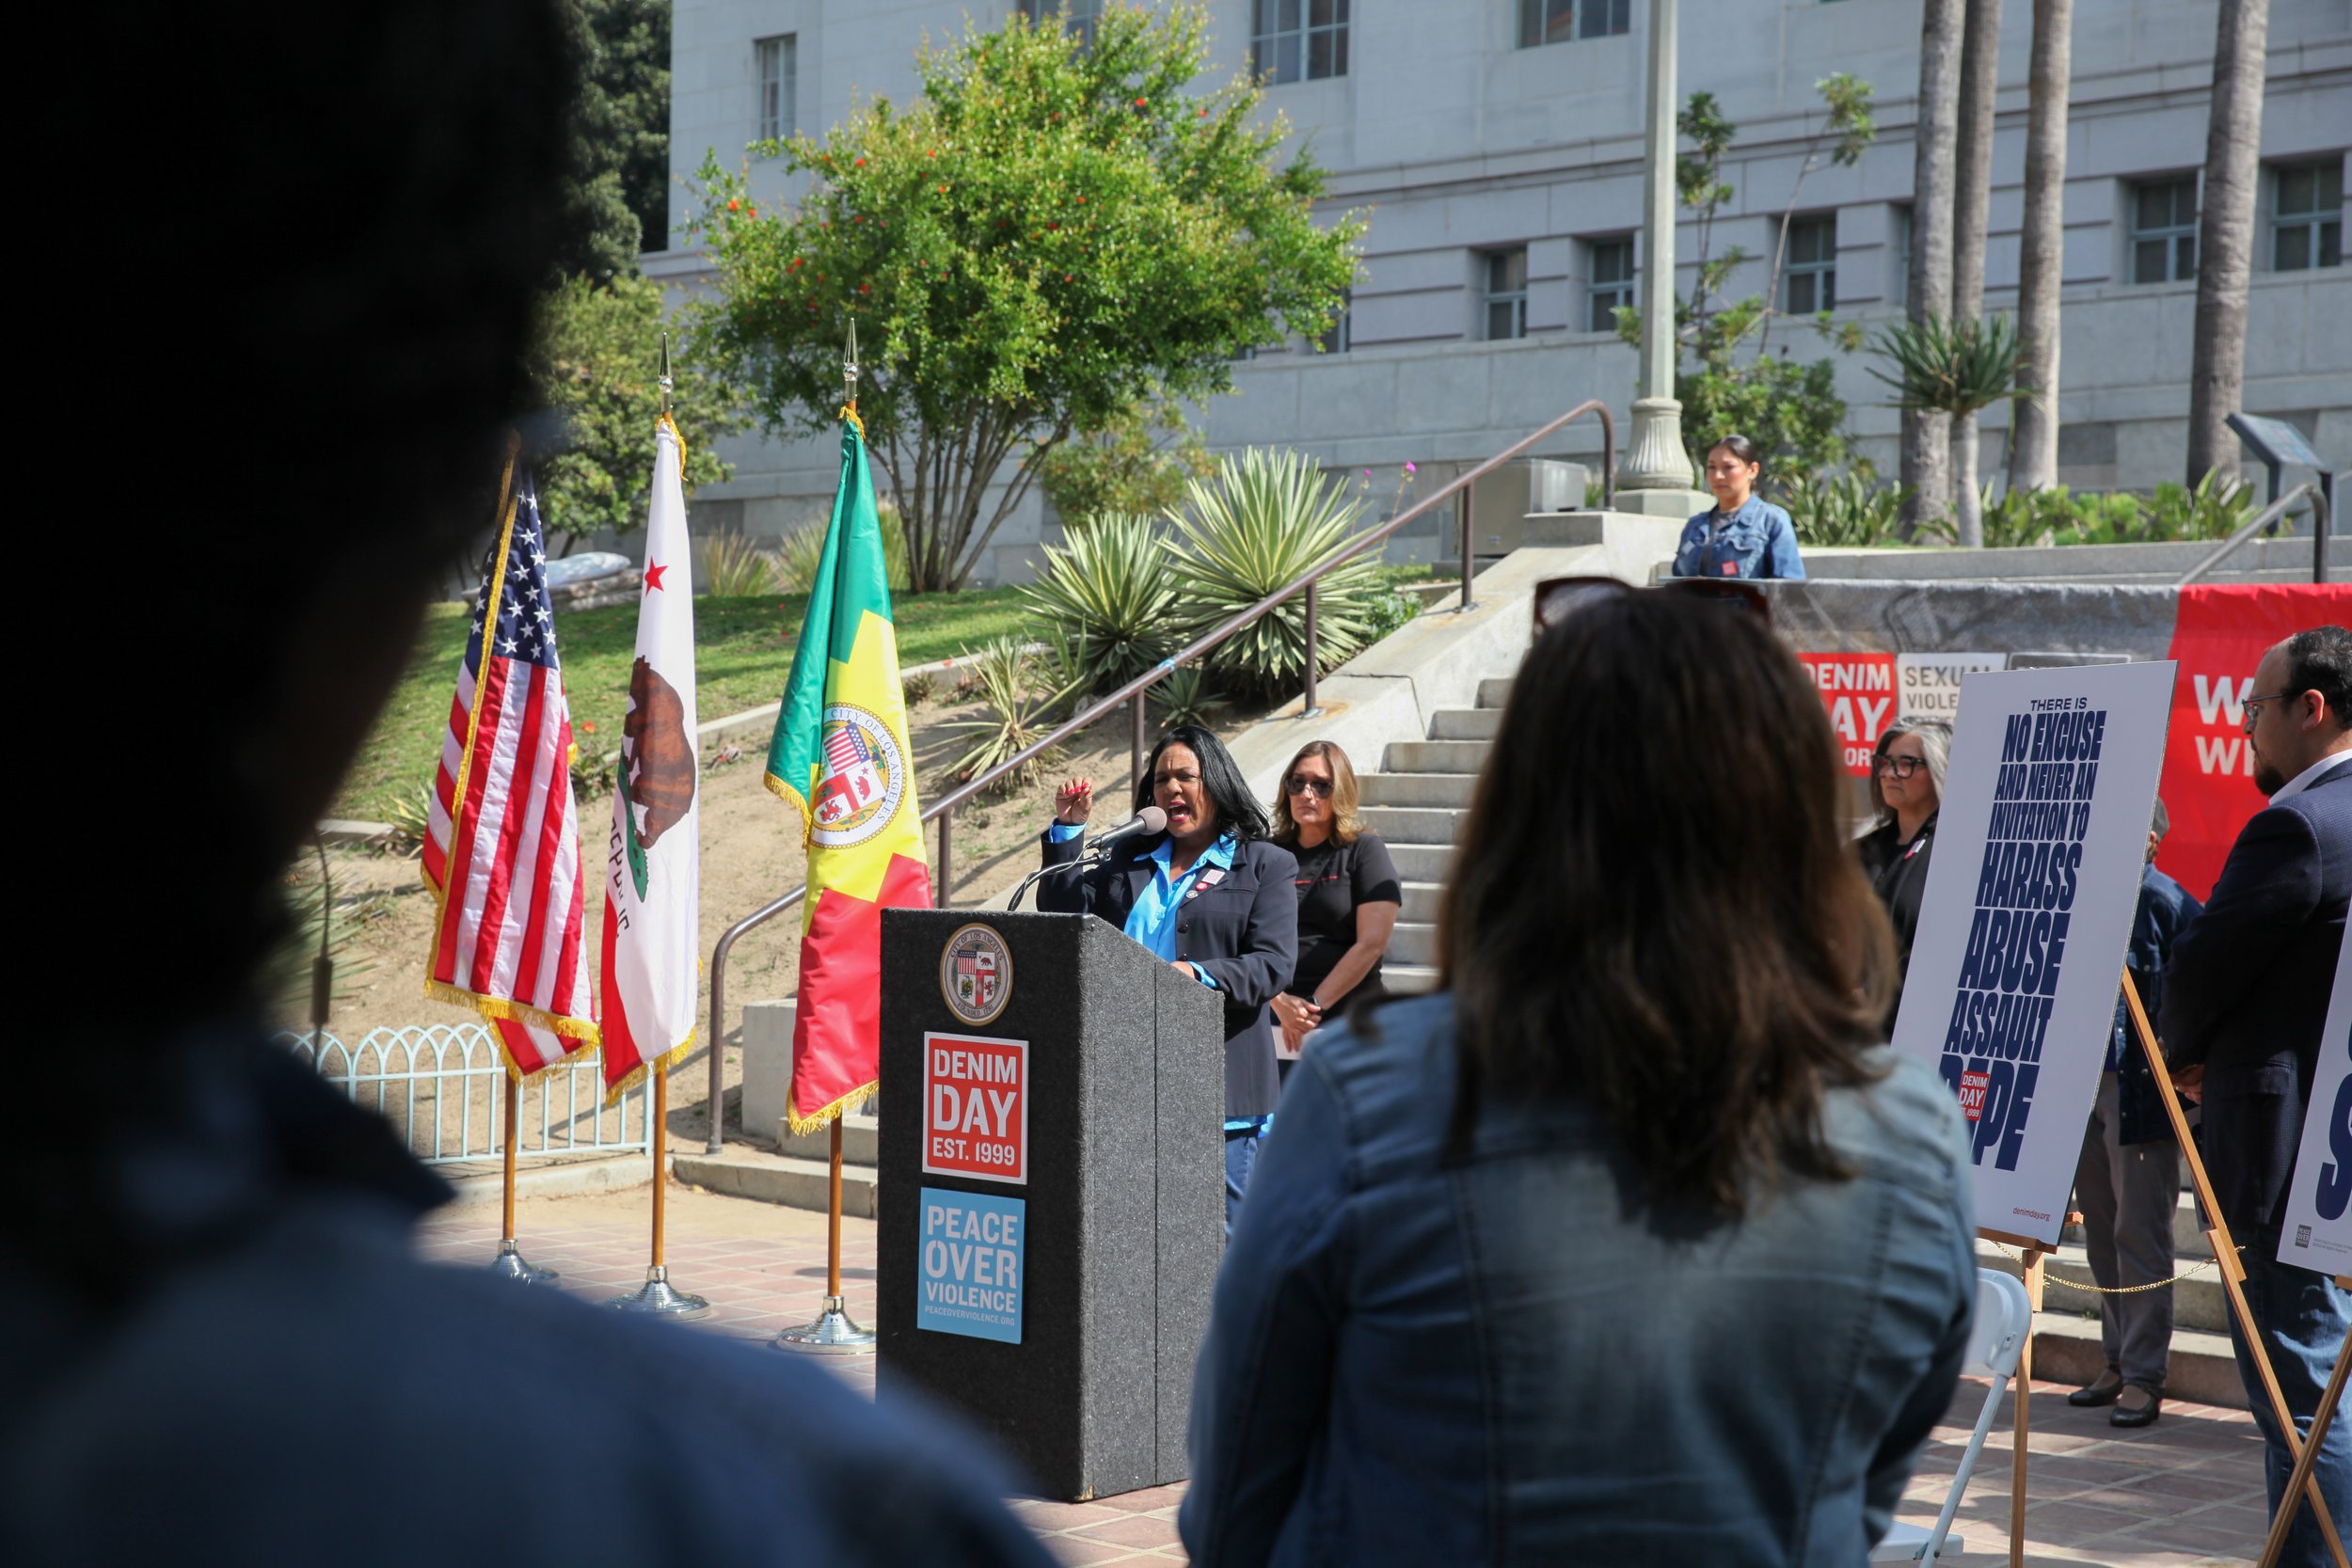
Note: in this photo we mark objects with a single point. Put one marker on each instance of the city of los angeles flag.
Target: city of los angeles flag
(653, 859)
(840, 755)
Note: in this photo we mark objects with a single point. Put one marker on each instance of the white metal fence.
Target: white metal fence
(441, 1086)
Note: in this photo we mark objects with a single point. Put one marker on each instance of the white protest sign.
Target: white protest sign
(1926, 686)
(2019, 952)
(2316, 1232)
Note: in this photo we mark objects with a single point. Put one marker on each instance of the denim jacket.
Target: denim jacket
(2165, 909)
(1509, 1358)
(1757, 541)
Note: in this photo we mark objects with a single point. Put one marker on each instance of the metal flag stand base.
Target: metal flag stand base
(509, 1264)
(833, 1333)
(657, 1296)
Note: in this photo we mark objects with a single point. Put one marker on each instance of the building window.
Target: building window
(1299, 41)
(2163, 230)
(1543, 21)
(1810, 277)
(1506, 293)
(1335, 339)
(2307, 217)
(1078, 16)
(1609, 281)
(779, 69)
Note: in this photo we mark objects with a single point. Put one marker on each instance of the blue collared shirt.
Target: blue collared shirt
(1153, 922)
(1756, 541)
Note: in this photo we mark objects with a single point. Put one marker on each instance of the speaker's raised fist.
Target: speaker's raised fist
(1073, 801)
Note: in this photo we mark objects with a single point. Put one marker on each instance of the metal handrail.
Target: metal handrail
(1133, 691)
(2266, 518)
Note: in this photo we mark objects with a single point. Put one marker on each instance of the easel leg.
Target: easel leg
(2022, 1392)
(2232, 1270)
(2292, 1502)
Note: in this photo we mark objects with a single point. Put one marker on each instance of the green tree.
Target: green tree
(1726, 382)
(1138, 465)
(620, 135)
(1055, 233)
(597, 363)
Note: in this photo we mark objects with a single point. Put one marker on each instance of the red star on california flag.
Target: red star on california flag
(653, 576)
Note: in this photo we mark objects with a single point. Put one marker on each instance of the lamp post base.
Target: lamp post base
(1655, 458)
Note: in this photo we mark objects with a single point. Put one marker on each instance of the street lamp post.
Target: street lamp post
(1656, 478)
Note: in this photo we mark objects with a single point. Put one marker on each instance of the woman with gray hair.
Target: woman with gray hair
(1907, 788)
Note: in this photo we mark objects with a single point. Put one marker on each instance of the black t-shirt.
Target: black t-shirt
(1333, 878)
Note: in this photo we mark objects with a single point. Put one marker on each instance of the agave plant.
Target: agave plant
(1108, 590)
(1267, 519)
(1185, 698)
(796, 558)
(411, 820)
(1956, 368)
(1847, 511)
(1003, 677)
(733, 568)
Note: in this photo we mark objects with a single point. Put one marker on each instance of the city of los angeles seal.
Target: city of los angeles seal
(976, 973)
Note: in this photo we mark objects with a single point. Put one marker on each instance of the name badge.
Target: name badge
(1731, 568)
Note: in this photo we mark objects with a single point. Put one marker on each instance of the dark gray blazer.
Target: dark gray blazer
(2246, 993)
(1243, 932)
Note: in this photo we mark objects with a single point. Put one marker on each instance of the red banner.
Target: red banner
(1858, 691)
(2221, 634)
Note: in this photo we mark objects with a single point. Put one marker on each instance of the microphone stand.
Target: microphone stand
(1086, 858)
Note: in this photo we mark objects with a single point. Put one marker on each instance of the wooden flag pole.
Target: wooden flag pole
(657, 1295)
(2232, 1270)
(509, 1263)
(834, 1332)
(2291, 1499)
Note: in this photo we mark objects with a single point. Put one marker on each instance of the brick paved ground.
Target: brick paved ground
(2188, 1491)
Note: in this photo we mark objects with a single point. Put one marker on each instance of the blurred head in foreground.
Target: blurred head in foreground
(1654, 906)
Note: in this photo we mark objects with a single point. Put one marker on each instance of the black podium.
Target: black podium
(1051, 1182)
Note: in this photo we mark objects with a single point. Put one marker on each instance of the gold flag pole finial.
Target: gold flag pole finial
(848, 366)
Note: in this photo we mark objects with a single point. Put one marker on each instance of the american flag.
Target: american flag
(845, 750)
(503, 852)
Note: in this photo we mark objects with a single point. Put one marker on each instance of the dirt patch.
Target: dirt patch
(751, 855)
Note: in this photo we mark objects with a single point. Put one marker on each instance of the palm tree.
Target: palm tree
(1927, 433)
(2033, 422)
(1953, 369)
(1972, 180)
(2225, 235)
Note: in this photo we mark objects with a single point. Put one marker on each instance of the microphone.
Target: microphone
(1150, 819)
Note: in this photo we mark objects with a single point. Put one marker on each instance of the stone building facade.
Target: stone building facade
(1498, 146)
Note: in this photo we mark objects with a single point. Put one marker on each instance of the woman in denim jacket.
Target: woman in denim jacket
(1631, 1245)
(1742, 536)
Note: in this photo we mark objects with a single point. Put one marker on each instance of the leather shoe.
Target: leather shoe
(2103, 1392)
(2136, 1414)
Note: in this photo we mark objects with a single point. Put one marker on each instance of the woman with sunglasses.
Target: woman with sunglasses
(1907, 788)
(1632, 1245)
(1349, 893)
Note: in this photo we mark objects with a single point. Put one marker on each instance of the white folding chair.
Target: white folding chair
(1995, 1337)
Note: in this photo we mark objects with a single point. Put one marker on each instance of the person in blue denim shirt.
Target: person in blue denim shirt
(1631, 1246)
(2127, 1182)
(1742, 537)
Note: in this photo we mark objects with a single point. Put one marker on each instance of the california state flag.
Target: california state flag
(652, 861)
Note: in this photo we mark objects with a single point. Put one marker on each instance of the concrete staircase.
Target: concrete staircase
(1416, 803)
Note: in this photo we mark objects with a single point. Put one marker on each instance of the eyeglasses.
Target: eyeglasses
(1902, 768)
(2253, 705)
(1299, 783)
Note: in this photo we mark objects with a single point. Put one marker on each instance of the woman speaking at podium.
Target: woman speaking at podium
(1210, 895)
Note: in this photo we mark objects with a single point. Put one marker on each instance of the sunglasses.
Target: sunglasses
(1557, 599)
(1298, 783)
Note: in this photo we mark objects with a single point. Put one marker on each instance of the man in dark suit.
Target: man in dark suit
(2244, 1004)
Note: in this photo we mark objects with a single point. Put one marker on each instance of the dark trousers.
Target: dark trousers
(2127, 1194)
(2301, 1317)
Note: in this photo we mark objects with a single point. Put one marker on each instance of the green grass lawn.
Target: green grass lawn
(743, 654)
